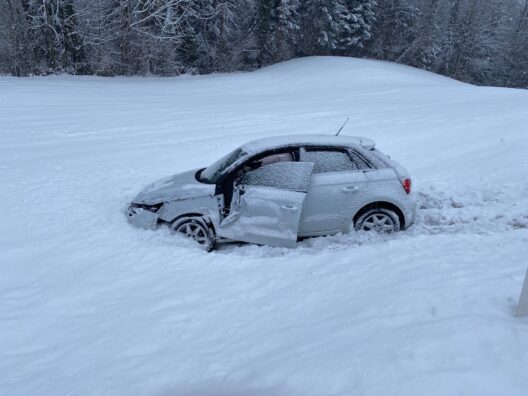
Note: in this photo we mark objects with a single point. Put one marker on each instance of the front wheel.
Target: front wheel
(196, 229)
(381, 220)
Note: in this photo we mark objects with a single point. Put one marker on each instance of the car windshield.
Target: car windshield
(212, 173)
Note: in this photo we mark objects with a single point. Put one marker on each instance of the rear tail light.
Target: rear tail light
(406, 184)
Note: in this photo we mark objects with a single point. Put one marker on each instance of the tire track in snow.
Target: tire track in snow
(471, 210)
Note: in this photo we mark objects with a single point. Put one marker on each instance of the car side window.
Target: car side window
(267, 159)
(291, 176)
(327, 160)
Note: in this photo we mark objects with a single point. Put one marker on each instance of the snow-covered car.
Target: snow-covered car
(274, 191)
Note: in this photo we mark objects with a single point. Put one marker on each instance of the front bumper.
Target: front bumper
(141, 217)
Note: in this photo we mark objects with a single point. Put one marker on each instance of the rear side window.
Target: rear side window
(326, 160)
(293, 176)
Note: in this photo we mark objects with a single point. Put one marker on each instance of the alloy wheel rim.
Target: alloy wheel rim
(378, 222)
(193, 231)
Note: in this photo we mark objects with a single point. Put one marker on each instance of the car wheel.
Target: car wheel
(381, 220)
(196, 229)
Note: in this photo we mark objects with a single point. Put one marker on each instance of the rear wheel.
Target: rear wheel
(196, 229)
(381, 220)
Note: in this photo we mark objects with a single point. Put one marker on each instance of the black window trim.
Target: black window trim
(362, 157)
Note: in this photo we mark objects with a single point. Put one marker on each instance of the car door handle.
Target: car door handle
(289, 207)
(349, 189)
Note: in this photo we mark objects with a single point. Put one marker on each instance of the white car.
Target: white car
(274, 191)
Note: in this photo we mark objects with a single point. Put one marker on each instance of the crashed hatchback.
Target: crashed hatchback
(274, 191)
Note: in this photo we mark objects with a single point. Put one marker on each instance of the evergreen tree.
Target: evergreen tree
(230, 45)
(395, 27)
(16, 40)
(263, 29)
(321, 27)
(476, 36)
(479, 41)
(57, 44)
(451, 41)
(516, 74)
(423, 51)
(356, 20)
(277, 27)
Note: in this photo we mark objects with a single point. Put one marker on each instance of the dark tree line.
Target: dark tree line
(478, 41)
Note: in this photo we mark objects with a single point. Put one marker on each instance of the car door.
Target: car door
(267, 204)
(336, 191)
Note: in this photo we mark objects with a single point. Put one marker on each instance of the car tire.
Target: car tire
(381, 220)
(196, 228)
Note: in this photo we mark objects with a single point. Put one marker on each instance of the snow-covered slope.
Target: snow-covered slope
(92, 306)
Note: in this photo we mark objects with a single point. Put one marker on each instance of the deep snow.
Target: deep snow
(92, 306)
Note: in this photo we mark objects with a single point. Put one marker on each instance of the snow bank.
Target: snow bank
(92, 306)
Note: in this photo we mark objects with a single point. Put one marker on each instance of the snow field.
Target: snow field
(92, 306)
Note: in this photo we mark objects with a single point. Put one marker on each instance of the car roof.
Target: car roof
(259, 145)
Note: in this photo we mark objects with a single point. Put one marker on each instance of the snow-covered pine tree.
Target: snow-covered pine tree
(227, 35)
(423, 51)
(156, 28)
(108, 32)
(516, 64)
(16, 41)
(193, 49)
(138, 36)
(479, 41)
(394, 29)
(263, 27)
(321, 28)
(57, 44)
(450, 43)
(476, 40)
(277, 26)
(356, 19)
(286, 29)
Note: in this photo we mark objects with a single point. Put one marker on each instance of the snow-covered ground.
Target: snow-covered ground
(91, 306)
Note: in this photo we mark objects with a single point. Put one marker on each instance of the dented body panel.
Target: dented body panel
(267, 204)
(264, 215)
(142, 218)
(174, 188)
(177, 196)
(204, 206)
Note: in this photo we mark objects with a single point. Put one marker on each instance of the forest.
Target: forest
(483, 42)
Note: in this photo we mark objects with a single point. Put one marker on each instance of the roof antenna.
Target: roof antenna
(342, 126)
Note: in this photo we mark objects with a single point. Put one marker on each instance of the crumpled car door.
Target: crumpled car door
(267, 204)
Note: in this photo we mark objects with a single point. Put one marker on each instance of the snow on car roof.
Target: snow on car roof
(259, 145)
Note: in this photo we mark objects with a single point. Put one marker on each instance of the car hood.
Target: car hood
(177, 187)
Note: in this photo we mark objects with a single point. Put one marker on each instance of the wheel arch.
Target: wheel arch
(381, 205)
